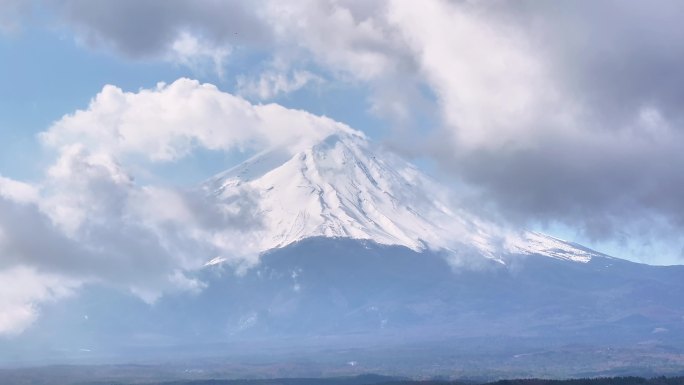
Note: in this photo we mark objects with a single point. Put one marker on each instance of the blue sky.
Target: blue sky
(559, 117)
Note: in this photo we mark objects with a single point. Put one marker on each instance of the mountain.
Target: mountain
(317, 305)
(344, 187)
(365, 260)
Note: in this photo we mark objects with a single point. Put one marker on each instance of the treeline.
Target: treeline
(598, 381)
(377, 381)
(581, 381)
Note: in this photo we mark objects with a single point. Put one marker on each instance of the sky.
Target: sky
(563, 117)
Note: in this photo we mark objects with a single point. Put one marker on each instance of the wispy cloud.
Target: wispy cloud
(272, 83)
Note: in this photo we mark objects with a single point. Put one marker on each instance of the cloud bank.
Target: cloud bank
(89, 221)
(168, 122)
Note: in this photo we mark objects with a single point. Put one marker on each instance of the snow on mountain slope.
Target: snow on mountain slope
(343, 186)
(536, 243)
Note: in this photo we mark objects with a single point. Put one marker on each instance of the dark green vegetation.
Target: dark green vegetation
(380, 380)
(597, 381)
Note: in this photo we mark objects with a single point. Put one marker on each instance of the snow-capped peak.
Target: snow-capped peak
(344, 186)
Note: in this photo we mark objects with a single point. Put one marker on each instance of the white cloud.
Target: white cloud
(98, 225)
(272, 83)
(93, 224)
(24, 289)
(492, 88)
(193, 52)
(17, 191)
(357, 45)
(166, 123)
(82, 185)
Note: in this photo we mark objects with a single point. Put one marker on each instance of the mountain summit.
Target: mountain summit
(346, 187)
